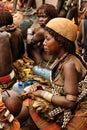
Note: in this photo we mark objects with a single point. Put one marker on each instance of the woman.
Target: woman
(59, 102)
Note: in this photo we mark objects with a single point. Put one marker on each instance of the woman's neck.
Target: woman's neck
(60, 54)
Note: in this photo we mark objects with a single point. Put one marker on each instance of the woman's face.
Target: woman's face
(42, 18)
(51, 45)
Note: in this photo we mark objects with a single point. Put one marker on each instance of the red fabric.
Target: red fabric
(5, 79)
(41, 124)
(79, 122)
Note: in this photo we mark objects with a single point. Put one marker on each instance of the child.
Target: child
(35, 44)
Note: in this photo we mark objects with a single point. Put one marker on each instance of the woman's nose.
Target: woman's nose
(44, 42)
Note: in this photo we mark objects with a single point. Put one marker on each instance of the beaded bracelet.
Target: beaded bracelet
(71, 97)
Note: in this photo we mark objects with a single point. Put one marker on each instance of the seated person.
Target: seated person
(7, 74)
(35, 39)
(16, 38)
(68, 9)
(57, 106)
(82, 37)
(72, 10)
(24, 3)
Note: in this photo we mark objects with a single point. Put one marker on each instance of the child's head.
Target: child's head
(6, 18)
(12, 101)
(46, 12)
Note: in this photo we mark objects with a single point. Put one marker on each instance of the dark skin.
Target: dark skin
(30, 3)
(70, 75)
(80, 41)
(71, 12)
(80, 37)
(16, 39)
(5, 55)
(12, 100)
(59, 5)
(37, 52)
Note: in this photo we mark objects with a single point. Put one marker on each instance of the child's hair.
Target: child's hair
(49, 9)
(6, 18)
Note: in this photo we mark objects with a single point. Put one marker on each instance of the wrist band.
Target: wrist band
(71, 97)
(11, 118)
(47, 95)
(7, 113)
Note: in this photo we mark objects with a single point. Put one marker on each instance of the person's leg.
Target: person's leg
(59, 5)
(31, 3)
(43, 1)
(14, 4)
(73, 13)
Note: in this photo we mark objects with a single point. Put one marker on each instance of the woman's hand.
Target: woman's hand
(37, 93)
(34, 87)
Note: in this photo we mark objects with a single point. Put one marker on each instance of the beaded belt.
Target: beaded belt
(7, 78)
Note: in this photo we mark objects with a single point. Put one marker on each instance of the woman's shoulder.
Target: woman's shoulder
(75, 62)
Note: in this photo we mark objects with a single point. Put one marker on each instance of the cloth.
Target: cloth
(9, 84)
(80, 117)
(59, 26)
(57, 89)
(23, 67)
(6, 82)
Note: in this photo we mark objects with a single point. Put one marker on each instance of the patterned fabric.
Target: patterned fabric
(80, 117)
(79, 122)
(63, 116)
(44, 124)
(41, 123)
(7, 78)
(9, 84)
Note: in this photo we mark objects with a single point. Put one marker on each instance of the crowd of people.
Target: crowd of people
(56, 45)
